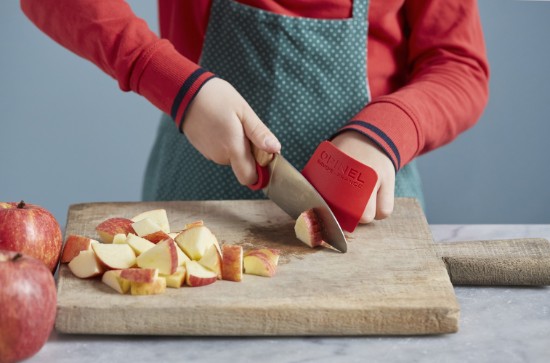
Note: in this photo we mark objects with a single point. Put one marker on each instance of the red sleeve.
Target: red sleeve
(447, 86)
(107, 33)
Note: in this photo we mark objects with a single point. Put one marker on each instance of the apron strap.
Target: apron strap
(360, 9)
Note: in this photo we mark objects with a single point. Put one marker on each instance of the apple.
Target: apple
(163, 256)
(139, 274)
(308, 228)
(182, 257)
(112, 279)
(157, 236)
(158, 286)
(193, 224)
(212, 260)
(177, 279)
(195, 241)
(271, 254)
(31, 230)
(197, 275)
(28, 304)
(158, 216)
(73, 245)
(138, 244)
(115, 257)
(259, 263)
(113, 226)
(86, 265)
(120, 238)
(232, 263)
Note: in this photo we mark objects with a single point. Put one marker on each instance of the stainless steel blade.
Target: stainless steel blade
(291, 191)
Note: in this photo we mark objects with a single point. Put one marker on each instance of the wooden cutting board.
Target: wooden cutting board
(390, 281)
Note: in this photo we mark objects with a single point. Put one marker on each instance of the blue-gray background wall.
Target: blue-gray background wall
(69, 135)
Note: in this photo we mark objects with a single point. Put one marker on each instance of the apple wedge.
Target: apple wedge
(195, 241)
(139, 274)
(73, 245)
(158, 286)
(138, 244)
(182, 257)
(120, 238)
(145, 226)
(159, 216)
(163, 256)
(197, 275)
(157, 236)
(193, 224)
(259, 265)
(212, 260)
(308, 228)
(271, 254)
(177, 279)
(115, 257)
(232, 262)
(112, 279)
(112, 226)
(86, 265)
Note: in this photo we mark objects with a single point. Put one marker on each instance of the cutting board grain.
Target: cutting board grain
(390, 282)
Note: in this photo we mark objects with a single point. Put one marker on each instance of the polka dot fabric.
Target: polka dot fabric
(303, 77)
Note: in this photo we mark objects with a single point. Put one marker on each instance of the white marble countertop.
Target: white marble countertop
(497, 324)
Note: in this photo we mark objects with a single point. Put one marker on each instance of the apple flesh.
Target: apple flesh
(139, 274)
(308, 228)
(163, 256)
(86, 265)
(112, 279)
(115, 256)
(157, 236)
(138, 244)
(177, 279)
(158, 216)
(232, 262)
(73, 245)
(158, 286)
(146, 226)
(212, 260)
(120, 238)
(195, 241)
(261, 262)
(28, 305)
(197, 275)
(113, 226)
(30, 230)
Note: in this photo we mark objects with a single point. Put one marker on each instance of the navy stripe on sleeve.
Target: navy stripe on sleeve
(183, 91)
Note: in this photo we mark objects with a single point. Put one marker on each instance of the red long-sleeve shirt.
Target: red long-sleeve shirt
(427, 68)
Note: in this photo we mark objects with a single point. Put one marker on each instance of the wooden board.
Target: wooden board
(390, 282)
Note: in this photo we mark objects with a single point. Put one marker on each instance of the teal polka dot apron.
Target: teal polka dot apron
(303, 77)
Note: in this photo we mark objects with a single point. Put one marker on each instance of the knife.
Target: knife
(291, 191)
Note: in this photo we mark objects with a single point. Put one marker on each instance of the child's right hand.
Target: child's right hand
(220, 125)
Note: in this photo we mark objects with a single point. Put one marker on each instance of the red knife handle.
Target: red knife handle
(263, 177)
(345, 183)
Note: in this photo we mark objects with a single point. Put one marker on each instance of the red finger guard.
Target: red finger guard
(263, 177)
(344, 183)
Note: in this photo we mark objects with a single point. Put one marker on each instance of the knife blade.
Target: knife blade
(291, 191)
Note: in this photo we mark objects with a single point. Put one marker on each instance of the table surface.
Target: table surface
(497, 324)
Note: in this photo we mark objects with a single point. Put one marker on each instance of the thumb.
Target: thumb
(258, 133)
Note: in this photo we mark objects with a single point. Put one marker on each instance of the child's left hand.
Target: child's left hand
(361, 148)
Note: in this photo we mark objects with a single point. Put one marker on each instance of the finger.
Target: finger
(243, 163)
(258, 133)
(385, 200)
(370, 209)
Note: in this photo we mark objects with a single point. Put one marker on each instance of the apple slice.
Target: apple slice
(145, 226)
(197, 275)
(112, 279)
(158, 286)
(232, 262)
(173, 234)
(308, 228)
(157, 236)
(139, 274)
(86, 265)
(259, 264)
(271, 254)
(163, 256)
(115, 257)
(177, 279)
(119, 238)
(138, 244)
(212, 260)
(182, 257)
(195, 241)
(159, 216)
(193, 224)
(112, 226)
(73, 245)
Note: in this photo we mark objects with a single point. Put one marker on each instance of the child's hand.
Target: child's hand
(220, 125)
(364, 150)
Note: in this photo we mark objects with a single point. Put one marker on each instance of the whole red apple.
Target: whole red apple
(31, 230)
(27, 306)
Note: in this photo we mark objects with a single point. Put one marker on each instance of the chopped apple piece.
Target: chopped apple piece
(73, 245)
(138, 244)
(177, 279)
(261, 262)
(197, 275)
(146, 226)
(158, 216)
(86, 265)
(195, 241)
(115, 257)
(112, 279)
(112, 226)
(212, 260)
(308, 228)
(157, 236)
(173, 234)
(232, 262)
(139, 274)
(158, 286)
(182, 257)
(194, 224)
(120, 238)
(270, 253)
(163, 256)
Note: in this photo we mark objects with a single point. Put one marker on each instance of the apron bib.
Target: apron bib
(303, 77)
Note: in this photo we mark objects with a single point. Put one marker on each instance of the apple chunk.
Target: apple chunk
(139, 274)
(195, 241)
(232, 262)
(212, 260)
(113, 226)
(145, 226)
(120, 238)
(308, 228)
(158, 286)
(158, 216)
(261, 262)
(115, 256)
(177, 279)
(73, 245)
(112, 279)
(163, 256)
(138, 244)
(197, 275)
(86, 265)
